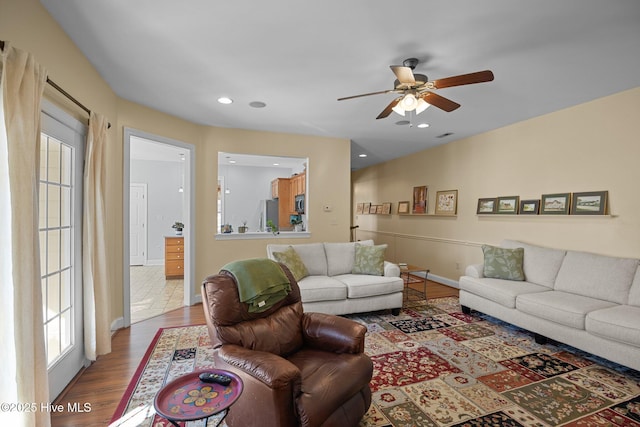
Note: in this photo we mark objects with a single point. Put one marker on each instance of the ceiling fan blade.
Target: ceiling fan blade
(404, 74)
(440, 101)
(388, 109)
(464, 79)
(366, 94)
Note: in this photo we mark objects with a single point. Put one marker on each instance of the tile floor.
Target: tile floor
(152, 294)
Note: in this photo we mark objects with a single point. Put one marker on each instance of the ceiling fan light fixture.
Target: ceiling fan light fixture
(398, 109)
(409, 102)
(422, 105)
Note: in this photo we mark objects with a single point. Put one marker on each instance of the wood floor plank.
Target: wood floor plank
(104, 382)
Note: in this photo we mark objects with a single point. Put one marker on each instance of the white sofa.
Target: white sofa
(331, 287)
(589, 301)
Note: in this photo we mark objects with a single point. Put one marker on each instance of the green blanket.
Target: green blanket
(261, 282)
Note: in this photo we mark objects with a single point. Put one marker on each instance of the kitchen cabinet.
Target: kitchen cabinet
(298, 184)
(174, 257)
(281, 190)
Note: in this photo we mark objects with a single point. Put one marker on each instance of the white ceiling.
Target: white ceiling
(300, 56)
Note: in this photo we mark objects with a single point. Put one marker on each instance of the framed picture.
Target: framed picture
(403, 208)
(486, 206)
(366, 207)
(359, 208)
(386, 208)
(590, 203)
(447, 202)
(529, 207)
(419, 200)
(555, 204)
(372, 208)
(508, 205)
(379, 209)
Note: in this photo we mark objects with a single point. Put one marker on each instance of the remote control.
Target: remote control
(210, 377)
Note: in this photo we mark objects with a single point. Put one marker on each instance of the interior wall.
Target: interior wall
(589, 147)
(28, 26)
(164, 202)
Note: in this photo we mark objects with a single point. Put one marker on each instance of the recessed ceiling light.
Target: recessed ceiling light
(257, 104)
(362, 155)
(276, 164)
(232, 161)
(423, 125)
(225, 100)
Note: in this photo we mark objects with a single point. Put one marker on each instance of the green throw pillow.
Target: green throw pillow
(502, 263)
(294, 263)
(369, 260)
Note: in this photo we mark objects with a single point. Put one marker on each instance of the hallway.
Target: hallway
(153, 295)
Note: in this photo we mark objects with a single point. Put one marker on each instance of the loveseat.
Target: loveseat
(333, 283)
(588, 301)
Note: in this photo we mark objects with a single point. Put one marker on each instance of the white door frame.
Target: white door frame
(144, 240)
(189, 209)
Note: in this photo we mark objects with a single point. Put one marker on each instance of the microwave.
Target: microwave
(299, 203)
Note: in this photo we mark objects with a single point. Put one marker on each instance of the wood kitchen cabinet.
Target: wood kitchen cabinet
(298, 184)
(281, 190)
(174, 257)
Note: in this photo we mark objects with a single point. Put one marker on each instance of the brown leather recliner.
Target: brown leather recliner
(298, 369)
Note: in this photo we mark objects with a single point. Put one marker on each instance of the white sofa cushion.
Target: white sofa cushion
(340, 256)
(361, 285)
(560, 307)
(312, 254)
(619, 323)
(321, 288)
(634, 292)
(540, 264)
(597, 276)
(504, 292)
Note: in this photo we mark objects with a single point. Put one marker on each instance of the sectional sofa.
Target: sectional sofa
(332, 287)
(589, 301)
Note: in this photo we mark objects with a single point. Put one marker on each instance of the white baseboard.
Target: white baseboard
(118, 323)
(439, 279)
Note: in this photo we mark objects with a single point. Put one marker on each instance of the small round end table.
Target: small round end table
(188, 399)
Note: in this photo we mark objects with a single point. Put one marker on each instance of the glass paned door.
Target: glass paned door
(61, 149)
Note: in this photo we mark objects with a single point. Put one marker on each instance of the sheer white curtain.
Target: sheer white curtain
(23, 363)
(97, 333)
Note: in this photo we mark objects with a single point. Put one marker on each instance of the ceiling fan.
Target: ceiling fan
(415, 89)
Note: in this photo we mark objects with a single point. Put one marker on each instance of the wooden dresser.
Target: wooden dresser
(174, 257)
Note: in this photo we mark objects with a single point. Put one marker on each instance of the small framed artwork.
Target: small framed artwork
(508, 205)
(366, 207)
(373, 209)
(359, 208)
(403, 208)
(589, 203)
(555, 204)
(486, 206)
(447, 202)
(529, 207)
(386, 208)
(419, 200)
(379, 209)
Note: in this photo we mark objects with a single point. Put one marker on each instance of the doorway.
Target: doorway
(158, 187)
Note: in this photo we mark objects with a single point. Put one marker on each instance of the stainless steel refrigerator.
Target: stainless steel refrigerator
(269, 209)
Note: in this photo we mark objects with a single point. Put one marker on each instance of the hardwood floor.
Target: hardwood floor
(103, 384)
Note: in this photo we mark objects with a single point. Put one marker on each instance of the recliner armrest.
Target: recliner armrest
(333, 333)
(273, 370)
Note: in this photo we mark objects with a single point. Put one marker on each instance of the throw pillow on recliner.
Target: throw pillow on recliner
(294, 263)
(503, 263)
(369, 260)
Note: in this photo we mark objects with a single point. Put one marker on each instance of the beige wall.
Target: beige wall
(590, 147)
(28, 26)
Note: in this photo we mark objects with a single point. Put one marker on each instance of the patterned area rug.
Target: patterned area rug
(435, 366)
